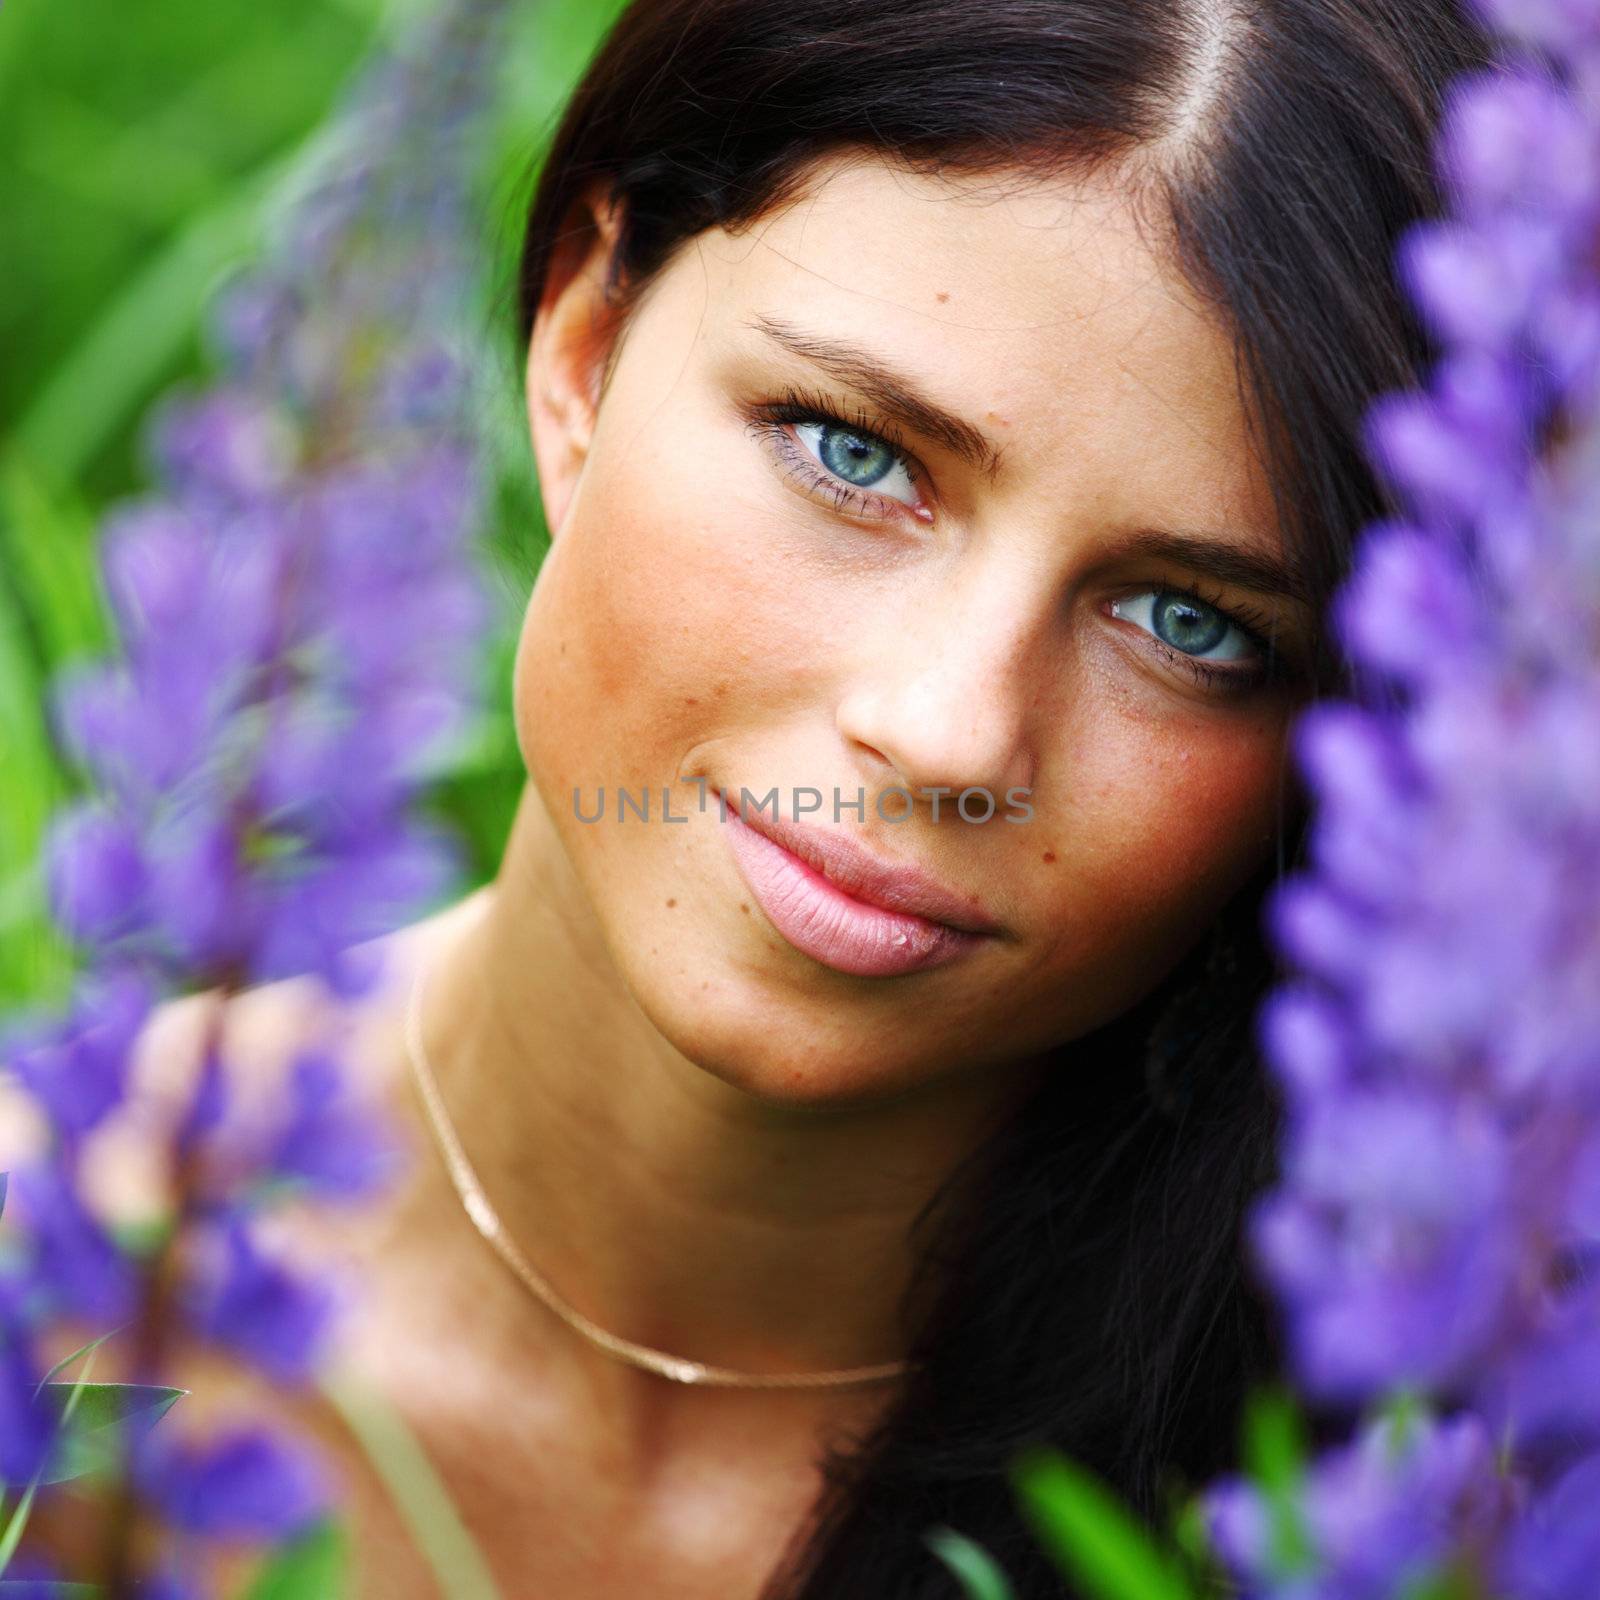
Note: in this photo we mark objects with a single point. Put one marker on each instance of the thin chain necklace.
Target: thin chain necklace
(487, 1222)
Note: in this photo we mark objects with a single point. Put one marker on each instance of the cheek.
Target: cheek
(666, 615)
(1169, 817)
(661, 622)
(1206, 800)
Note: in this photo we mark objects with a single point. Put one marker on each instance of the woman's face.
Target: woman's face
(903, 488)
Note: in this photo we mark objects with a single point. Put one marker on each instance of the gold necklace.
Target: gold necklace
(487, 1222)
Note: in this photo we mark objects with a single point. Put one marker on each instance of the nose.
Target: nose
(941, 699)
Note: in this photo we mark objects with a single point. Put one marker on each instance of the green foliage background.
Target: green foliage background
(140, 142)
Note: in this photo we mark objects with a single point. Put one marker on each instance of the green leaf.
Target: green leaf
(93, 1437)
(17, 1522)
(311, 1567)
(1275, 1452)
(979, 1573)
(1090, 1534)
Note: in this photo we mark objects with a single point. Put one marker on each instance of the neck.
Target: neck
(667, 1205)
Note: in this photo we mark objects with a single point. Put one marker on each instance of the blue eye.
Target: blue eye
(857, 458)
(1186, 623)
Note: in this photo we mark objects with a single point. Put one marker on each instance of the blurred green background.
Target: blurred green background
(139, 143)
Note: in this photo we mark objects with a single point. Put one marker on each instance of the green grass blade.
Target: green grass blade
(1275, 1451)
(18, 1521)
(77, 1355)
(50, 559)
(418, 1492)
(99, 384)
(33, 958)
(1090, 1534)
(978, 1572)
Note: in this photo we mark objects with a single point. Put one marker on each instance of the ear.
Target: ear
(575, 331)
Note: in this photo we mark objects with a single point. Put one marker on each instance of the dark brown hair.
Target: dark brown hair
(1082, 1279)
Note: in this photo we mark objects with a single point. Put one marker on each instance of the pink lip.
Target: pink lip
(844, 908)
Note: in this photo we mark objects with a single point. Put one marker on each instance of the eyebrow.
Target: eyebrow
(1239, 565)
(897, 395)
(1223, 559)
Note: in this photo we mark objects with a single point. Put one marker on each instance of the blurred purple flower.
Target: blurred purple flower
(1385, 1510)
(329, 1142)
(72, 1257)
(95, 870)
(241, 1484)
(76, 1067)
(1515, 142)
(1562, 26)
(1554, 1551)
(1391, 1240)
(298, 620)
(242, 1299)
(26, 1429)
(1436, 1222)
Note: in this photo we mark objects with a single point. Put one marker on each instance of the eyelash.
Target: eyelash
(1251, 623)
(772, 418)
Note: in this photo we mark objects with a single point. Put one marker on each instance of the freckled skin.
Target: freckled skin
(728, 625)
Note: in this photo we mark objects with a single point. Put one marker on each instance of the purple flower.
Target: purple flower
(1409, 606)
(1436, 1224)
(240, 1484)
(1558, 25)
(327, 1141)
(73, 1259)
(1391, 1239)
(1382, 1511)
(228, 443)
(95, 869)
(1553, 1552)
(1309, 1038)
(30, 1577)
(298, 623)
(1478, 285)
(26, 1429)
(1516, 143)
(134, 758)
(241, 1298)
(76, 1067)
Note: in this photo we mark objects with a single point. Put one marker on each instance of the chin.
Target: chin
(782, 1056)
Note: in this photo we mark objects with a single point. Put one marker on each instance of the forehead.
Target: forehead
(1045, 310)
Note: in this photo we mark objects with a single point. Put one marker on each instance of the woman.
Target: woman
(952, 413)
